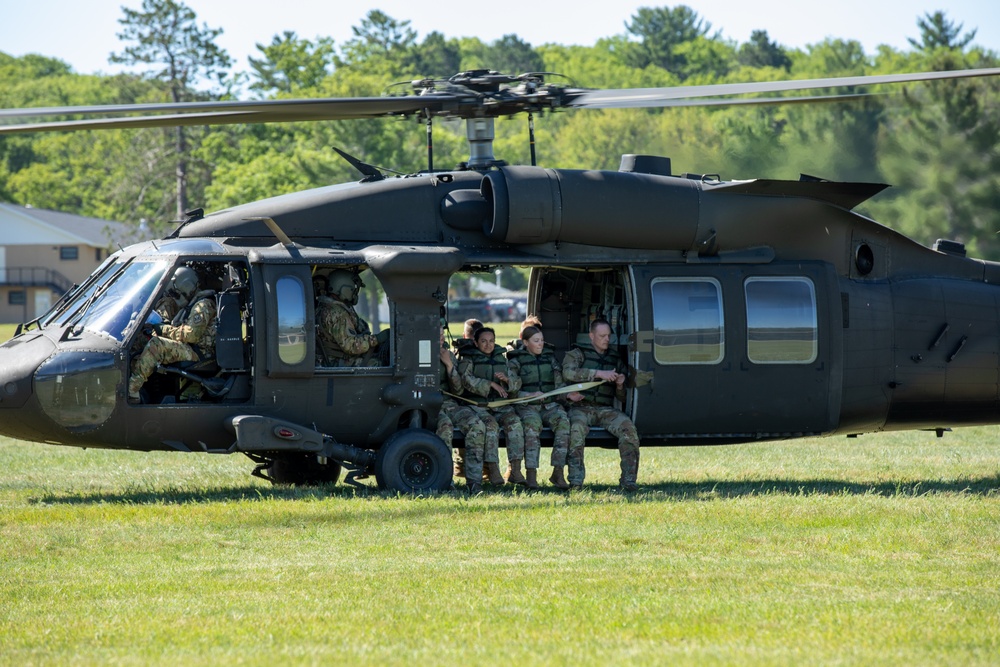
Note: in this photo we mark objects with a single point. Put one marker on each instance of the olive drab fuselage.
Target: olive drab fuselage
(743, 311)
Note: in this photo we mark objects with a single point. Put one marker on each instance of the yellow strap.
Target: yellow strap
(579, 386)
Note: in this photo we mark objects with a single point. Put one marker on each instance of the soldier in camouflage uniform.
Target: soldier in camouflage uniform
(462, 417)
(342, 337)
(534, 362)
(484, 371)
(600, 361)
(191, 336)
(469, 329)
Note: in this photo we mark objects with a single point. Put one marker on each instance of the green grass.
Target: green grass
(878, 550)
(7, 331)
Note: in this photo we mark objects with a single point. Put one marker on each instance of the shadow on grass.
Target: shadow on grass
(699, 491)
(980, 486)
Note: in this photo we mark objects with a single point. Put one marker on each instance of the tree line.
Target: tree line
(938, 143)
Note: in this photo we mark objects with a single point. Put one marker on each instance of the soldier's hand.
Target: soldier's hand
(446, 358)
(606, 376)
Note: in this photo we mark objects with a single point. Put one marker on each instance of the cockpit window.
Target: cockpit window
(116, 304)
(64, 312)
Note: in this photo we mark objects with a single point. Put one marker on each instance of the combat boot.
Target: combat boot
(630, 472)
(473, 487)
(557, 478)
(514, 475)
(495, 477)
(531, 482)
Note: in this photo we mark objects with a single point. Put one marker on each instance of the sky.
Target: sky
(83, 32)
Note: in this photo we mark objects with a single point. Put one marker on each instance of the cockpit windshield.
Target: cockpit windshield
(71, 305)
(116, 302)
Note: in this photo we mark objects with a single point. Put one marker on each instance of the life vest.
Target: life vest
(484, 367)
(537, 373)
(604, 393)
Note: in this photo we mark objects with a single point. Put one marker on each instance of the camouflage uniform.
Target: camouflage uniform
(464, 418)
(477, 372)
(541, 373)
(191, 340)
(342, 337)
(597, 407)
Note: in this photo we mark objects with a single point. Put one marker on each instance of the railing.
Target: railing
(35, 276)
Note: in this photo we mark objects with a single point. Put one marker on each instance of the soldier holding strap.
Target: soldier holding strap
(600, 361)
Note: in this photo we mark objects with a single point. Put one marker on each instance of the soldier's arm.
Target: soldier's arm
(557, 373)
(513, 377)
(514, 370)
(454, 378)
(571, 368)
(349, 340)
(622, 370)
(473, 384)
(194, 326)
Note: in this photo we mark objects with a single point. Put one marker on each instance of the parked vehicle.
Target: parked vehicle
(508, 309)
(462, 308)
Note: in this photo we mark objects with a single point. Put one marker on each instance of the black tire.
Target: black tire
(303, 470)
(414, 461)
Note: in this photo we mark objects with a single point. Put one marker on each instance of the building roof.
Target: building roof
(24, 225)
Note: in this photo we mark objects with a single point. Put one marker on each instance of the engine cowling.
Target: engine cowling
(529, 205)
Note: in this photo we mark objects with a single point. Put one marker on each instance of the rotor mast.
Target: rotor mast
(480, 133)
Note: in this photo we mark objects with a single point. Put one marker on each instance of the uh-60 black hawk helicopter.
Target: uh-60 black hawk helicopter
(751, 310)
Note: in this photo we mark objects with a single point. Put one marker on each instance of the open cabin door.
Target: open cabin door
(737, 351)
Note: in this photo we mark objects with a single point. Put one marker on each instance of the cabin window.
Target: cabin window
(291, 320)
(687, 321)
(781, 320)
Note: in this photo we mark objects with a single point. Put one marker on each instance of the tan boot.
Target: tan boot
(531, 482)
(557, 479)
(493, 471)
(514, 475)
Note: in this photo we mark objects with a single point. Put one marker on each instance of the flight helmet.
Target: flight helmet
(344, 285)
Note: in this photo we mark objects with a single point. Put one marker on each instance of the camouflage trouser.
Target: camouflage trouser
(464, 418)
(617, 423)
(159, 350)
(485, 451)
(552, 415)
(513, 432)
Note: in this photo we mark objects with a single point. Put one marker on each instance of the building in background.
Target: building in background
(43, 253)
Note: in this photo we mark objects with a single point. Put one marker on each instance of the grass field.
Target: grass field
(878, 550)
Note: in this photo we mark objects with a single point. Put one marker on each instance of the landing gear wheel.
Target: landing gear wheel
(303, 470)
(414, 461)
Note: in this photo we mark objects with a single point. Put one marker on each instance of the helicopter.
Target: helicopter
(748, 310)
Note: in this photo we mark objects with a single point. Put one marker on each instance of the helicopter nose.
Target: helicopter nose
(19, 358)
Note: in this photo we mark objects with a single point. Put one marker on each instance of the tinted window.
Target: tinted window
(291, 320)
(687, 321)
(781, 320)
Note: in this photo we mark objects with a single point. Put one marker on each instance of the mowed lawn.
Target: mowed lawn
(883, 549)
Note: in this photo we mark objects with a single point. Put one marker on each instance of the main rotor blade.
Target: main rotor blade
(661, 97)
(467, 104)
(225, 113)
